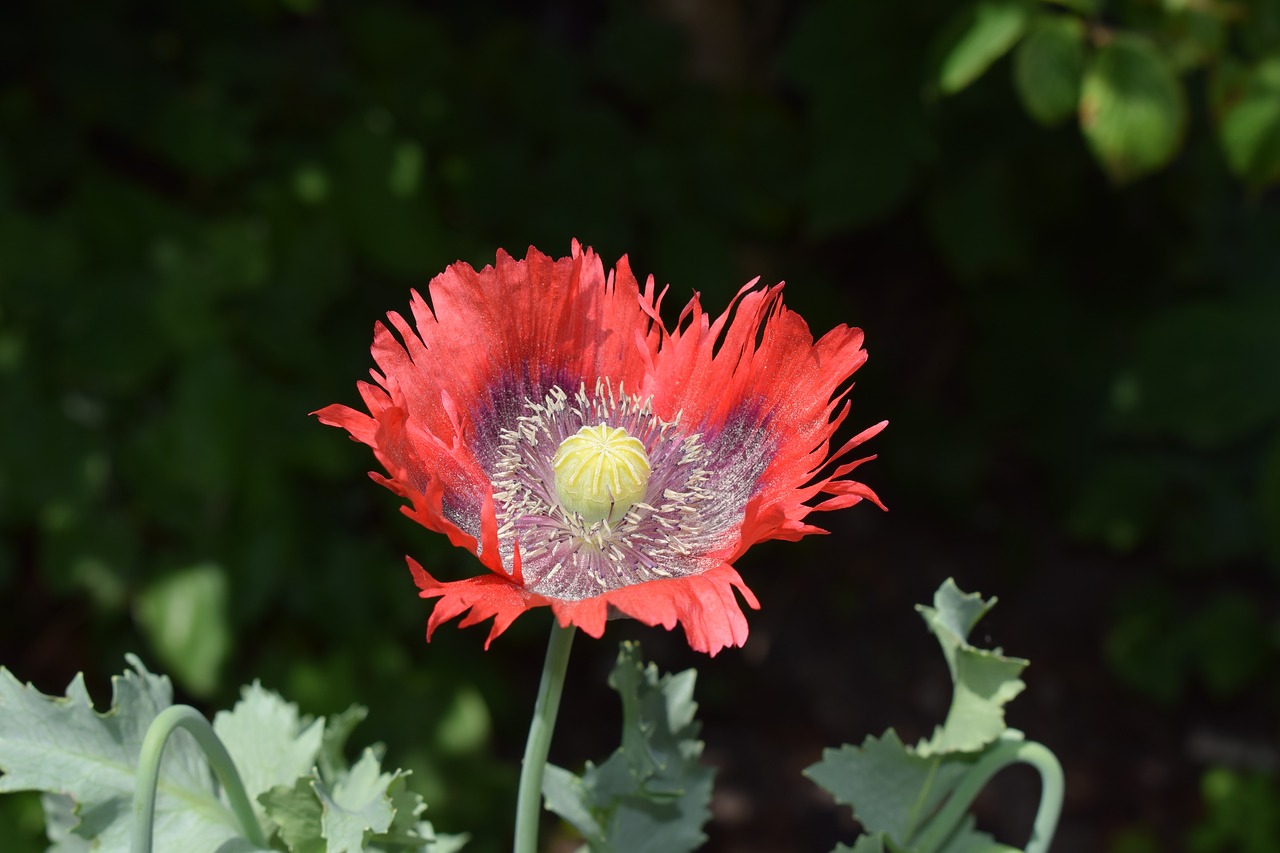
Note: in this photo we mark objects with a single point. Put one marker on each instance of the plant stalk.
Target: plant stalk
(144, 795)
(529, 794)
(938, 830)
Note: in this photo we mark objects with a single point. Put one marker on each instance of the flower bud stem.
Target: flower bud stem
(144, 795)
(935, 834)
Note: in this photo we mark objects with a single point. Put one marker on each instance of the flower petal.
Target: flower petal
(757, 400)
(704, 605)
(756, 375)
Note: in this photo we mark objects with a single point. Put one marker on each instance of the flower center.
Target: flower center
(600, 472)
(597, 493)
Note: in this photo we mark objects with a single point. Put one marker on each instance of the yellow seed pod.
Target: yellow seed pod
(600, 472)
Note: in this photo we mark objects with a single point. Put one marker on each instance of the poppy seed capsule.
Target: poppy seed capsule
(600, 472)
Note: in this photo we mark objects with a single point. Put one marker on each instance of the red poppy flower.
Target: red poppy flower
(540, 415)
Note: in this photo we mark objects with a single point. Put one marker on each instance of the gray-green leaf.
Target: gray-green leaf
(892, 789)
(268, 741)
(356, 804)
(62, 746)
(295, 811)
(984, 680)
(651, 794)
(902, 795)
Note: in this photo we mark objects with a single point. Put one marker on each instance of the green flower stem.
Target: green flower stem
(144, 795)
(529, 795)
(938, 830)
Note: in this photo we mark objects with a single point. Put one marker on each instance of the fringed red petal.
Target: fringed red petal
(705, 605)
(481, 597)
(761, 358)
(489, 338)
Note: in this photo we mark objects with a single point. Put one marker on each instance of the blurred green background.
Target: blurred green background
(1057, 224)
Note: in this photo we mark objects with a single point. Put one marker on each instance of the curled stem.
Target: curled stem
(144, 795)
(529, 795)
(938, 830)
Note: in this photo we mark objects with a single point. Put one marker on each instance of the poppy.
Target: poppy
(539, 413)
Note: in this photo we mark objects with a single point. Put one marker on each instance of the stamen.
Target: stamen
(623, 499)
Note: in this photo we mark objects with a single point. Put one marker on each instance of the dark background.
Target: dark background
(204, 207)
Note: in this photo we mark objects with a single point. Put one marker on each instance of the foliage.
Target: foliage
(1123, 80)
(203, 208)
(86, 765)
(651, 794)
(983, 680)
(1239, 814)
(898, 792)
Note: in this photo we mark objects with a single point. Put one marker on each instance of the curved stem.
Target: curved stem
(529, 795)
(144, 795)
(938, 830)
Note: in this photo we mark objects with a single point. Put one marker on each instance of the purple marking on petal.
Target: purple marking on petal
(687, 512)
(504, 404)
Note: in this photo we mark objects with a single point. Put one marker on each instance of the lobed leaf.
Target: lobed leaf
(898, 792)
(984, 680)
(891, 788)
(355, 804)
(331, 761)
(86, 765)
(651, 794)
(296, 812)
(268, 741)
(88, 762)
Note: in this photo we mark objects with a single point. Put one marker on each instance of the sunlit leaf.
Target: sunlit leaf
(268, 740)
(1133, 109)
(296, 813)
(1047, 68)
(987, 32)
(185, 617)
(360, 810)
(1249, 126)
(356, 804)
(63, 746)
(332, 762)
